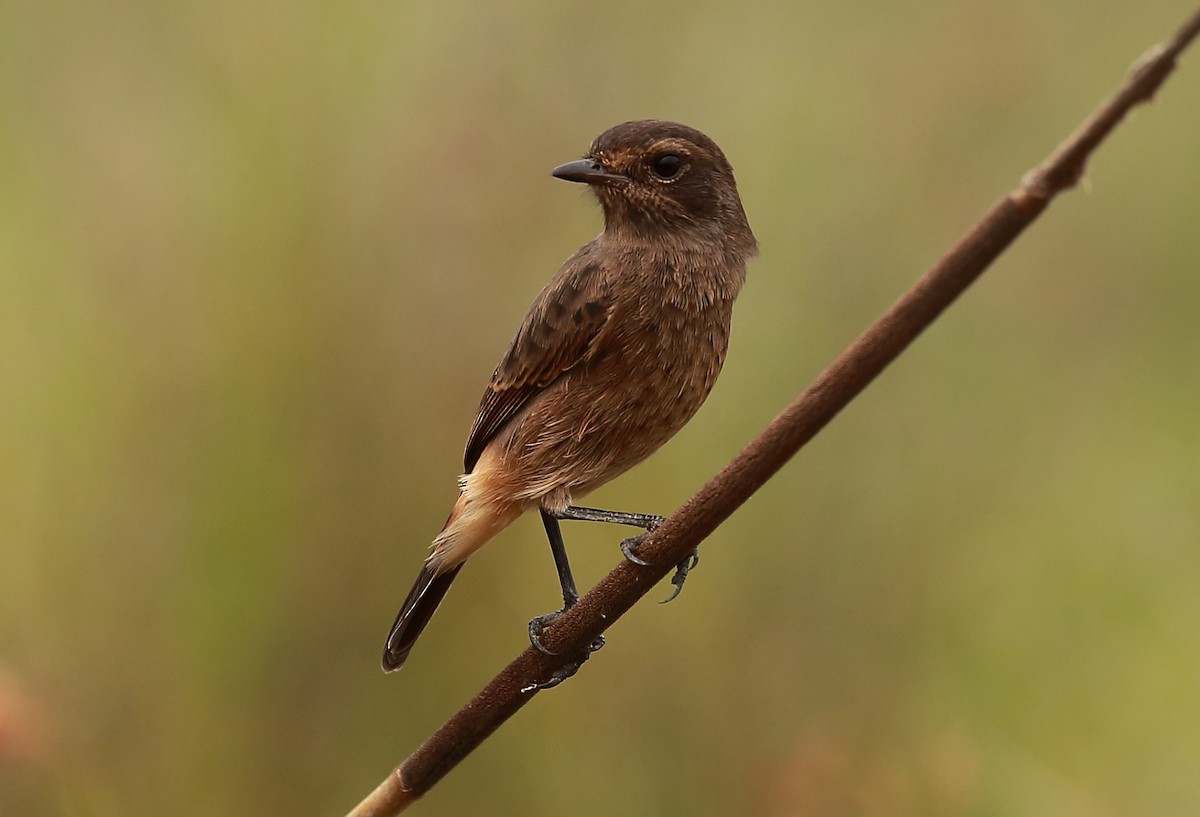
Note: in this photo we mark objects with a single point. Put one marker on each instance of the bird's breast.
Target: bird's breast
(659, 370)
(660, 355)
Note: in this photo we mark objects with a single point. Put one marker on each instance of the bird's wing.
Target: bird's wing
(562, 330)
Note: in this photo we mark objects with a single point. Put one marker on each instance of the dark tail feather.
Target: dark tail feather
(419, 607)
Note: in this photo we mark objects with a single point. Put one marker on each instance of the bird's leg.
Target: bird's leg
(647, 521)
(629, 546)
(561, 563)
(570, 597)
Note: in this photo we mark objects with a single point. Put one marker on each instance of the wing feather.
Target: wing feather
(561, 331)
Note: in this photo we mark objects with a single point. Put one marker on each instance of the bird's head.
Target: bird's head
(659, 179)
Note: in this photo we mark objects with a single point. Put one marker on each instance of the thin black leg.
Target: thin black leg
(647, 521)
(561, 564)
(570, 597)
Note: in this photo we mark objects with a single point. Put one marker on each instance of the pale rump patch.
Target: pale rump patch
(482, 511)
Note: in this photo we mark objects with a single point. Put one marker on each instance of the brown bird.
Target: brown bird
(616, 354)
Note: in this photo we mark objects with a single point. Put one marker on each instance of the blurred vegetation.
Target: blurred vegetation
(257, 261)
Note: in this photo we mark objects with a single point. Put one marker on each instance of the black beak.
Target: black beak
(588, 171)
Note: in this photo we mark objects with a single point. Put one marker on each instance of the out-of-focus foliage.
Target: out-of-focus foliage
(258, 259)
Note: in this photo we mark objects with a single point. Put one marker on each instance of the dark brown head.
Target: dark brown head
(660, 180)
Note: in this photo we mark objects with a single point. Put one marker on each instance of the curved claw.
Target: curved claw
(537, 626)
(681, 573)
(560, 675)
(629, 550)
(567, 670)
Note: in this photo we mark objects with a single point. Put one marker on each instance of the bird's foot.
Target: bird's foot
(537, 626)
(629, 548)
(651, 522)
(681, 573)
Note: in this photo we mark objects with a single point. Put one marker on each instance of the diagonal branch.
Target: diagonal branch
(848, 375)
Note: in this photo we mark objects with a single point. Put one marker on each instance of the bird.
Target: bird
(615, 355)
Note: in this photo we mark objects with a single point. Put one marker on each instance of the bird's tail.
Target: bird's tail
(422, 602)
(471, 524)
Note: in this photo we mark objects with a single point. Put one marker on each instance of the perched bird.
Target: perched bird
(616, 354)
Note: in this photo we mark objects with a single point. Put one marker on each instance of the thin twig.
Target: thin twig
(848, 375)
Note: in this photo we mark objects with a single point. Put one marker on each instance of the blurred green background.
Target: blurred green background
(257, 261)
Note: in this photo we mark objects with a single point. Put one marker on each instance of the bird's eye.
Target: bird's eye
(667, 166)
